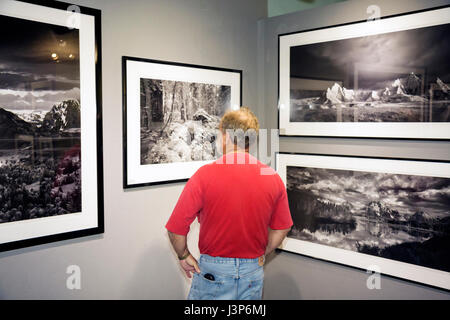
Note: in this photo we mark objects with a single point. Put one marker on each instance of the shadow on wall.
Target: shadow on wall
(281, 280)
(157, 276)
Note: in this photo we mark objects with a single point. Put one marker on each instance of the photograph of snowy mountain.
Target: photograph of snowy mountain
(40, 155)
(399, 76)
(400, 217)
(179, 120)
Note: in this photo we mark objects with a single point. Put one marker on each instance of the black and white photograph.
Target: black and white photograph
(179, 120)
(40, 160)
(397, 79)
(171, 116)
(49, 104)
(401, 95)
(361, 212)
(394, 216)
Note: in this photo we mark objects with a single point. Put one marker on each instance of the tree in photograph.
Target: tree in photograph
(190, 115)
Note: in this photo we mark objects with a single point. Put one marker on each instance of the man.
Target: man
(241, 205)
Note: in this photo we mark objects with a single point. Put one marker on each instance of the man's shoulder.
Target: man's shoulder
(204, 170)
(270, 174)
(266, 169)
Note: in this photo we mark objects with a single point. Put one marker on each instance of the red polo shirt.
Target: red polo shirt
(235, 205)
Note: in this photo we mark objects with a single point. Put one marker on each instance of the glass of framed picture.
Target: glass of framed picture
(387, 78)
(171, 114)
(51, 164)
(390, 216)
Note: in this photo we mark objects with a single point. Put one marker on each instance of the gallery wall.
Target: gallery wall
(291, 276)
(280, 7)
(133, 259)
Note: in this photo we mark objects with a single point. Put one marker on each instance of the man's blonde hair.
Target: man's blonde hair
(243, 123)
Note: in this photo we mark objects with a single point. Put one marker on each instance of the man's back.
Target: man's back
(243, 211)
(235, 204)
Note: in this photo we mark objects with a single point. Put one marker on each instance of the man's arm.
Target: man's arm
(188, 206)
(280, 221)
(179, 244)
(187, 261)
(276, 237)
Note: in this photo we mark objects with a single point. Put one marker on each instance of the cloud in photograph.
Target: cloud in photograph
(35, 100)
(404, 193)
(416, 49)
(39, 64)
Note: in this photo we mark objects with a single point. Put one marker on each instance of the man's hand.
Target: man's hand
(179, 244)
(190, 265)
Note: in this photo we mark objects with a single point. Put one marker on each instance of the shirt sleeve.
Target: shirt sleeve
(281, 215)
(188, 206)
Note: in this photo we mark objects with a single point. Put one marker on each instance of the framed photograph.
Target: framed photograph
(392, 78)
(51, 165)
(385, 215)
(171, 114)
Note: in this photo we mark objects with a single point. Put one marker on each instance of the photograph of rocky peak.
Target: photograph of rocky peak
(179, 120)
(400, 217)
(399, 76)
(40, 155)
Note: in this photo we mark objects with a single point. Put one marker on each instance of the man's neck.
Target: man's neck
(236, 151)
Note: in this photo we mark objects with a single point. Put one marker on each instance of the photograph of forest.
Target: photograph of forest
(40, 156)
(400, 217)
(408, 79)
(179, 120)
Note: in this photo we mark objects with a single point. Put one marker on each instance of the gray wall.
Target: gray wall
(133, 258)
(290, 276)
(280, 7)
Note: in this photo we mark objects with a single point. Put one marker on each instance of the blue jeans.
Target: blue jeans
(234, 279)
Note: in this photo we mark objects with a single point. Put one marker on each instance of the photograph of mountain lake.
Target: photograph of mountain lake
(40, 155)
(400, 217)
(399, 76)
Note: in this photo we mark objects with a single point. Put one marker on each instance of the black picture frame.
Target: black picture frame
(341, 260)
(282, 132)
(126, 108)
(97, 212)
